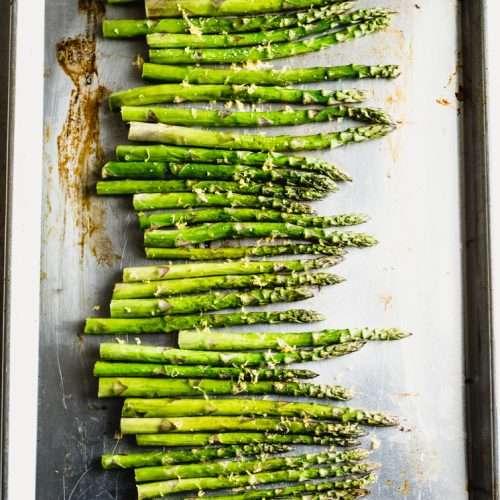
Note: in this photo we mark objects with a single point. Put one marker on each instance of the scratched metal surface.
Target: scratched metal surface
(409, 183)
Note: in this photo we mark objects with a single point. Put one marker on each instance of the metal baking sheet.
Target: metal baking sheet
(410, 183)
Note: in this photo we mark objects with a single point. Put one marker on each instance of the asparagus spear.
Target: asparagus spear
(197, 285)
(267, 52)
(288, 34)
(167, 219)
(203, 233)
(172, 92)
(251, 408)
(163, 488)
(181, 154)
(170, 134)
(155, 354)
(129, 28)
(241, 252)
(202, 199)
(215, 301)
(240, 424)
(194, 455)
(307, 487)
(107, 369)
(131, 186)
(263, 76)
(179, 8)
(195, 117)
(221, 341)
(176, 271)
(150, 387)
(240, 438)
(228, 467)
(170, 324)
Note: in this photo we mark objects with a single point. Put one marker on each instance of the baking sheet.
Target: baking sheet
(410, 185)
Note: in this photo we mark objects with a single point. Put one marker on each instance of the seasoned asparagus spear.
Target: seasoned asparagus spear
(181, 154)
(108, 369)
(214, 301)
(251, 408)
(222, 341)
(240, 424)
(268, 52)
(172, 134)
(162, 488)
(197, 285)
(176, 271)
(193, 235)
(150, 387)
(179, 8)
(202, 199)
(288, 34)
(167, 219)
(228, 467)
(129, 28)
(171, 92)
(194, 117)
(170, 324)
(240, 252)
(263, 76)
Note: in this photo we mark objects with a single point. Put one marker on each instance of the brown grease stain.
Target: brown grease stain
(78, 144)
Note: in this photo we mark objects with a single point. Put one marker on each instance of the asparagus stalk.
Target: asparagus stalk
(172, 92)
(176, 271)
(221, 341)
(197, 285)
(240, 424)
(149, 387)
(288, 34)
(194, 455)
(307, 487)
(180, 154)
(170, 134)
(268, 52)
(263, 76)
(202, 199)
(129, 28)
(202, 187)
(155, 354)
(107, 369)
(240, 438)
(228, 467)
(163, 488)
(170, 324)
(179, 8)
(215, 301)
(195, 254)
(251, 408)
(194, 117)
(168, 219)
(192, 235)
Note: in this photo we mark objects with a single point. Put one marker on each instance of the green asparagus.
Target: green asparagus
(239, 252)
(222, 341)
(268, 52)
(170, 324)
(194, 455)
(251, 408)
(228, 467)
(129, 28)
(155, 388)
(288, 34)
(263, 76)
(108, 369)
(172, 92)
(180, 154)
